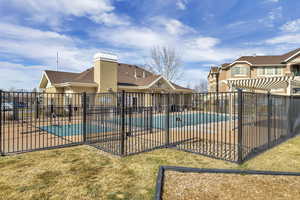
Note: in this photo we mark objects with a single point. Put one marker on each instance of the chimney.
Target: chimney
(105, 72)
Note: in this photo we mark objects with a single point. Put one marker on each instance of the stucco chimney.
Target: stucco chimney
(105, 72)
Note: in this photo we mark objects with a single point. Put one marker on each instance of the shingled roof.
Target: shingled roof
(128, 75)
(265, 60)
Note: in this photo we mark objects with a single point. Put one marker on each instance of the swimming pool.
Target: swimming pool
(74, 129)
(176, 120)
(157, 122)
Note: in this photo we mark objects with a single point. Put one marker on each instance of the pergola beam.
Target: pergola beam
(265, 83)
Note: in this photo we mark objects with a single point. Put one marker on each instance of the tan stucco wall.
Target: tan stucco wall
(105, 74)
(83, 89)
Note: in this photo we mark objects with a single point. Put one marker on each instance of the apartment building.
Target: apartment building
(278, 74)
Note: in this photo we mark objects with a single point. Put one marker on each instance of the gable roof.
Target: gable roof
(264, 60)
(127, 75)
(290, 54)
(56, 77)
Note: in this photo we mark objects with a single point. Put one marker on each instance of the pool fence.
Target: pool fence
(233, 126)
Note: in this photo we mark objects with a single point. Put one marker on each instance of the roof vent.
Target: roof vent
(105, 57)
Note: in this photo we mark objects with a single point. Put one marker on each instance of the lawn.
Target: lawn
(87, 173)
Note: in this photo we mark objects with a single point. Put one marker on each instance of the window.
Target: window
(269, 71)
(239, 70)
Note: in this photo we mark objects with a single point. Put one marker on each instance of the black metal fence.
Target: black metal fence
(232, 126)
(267, 120)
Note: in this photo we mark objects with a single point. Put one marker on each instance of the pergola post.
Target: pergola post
(289, 87)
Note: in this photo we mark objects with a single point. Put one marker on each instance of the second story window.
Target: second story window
(239, 70)
(269, 71)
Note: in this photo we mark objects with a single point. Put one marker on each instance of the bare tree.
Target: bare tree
(165, 61)
(202, 86)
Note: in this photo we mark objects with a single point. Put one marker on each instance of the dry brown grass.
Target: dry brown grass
(87, 173)
(211, 186)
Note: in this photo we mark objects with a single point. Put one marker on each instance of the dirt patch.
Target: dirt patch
(212, 186)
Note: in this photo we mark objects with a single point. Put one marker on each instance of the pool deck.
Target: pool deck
(21, 137)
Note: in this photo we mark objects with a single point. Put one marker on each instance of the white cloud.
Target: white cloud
(171, 26)
(285, 39)
(131, 37)
(192, 46)
(181, 4)
(202, 42)
(272, 16)
(291, 26)
(11, 74)
(54, 11)
(272, 1)
(193, 77)
(111, 19)
(41, 46)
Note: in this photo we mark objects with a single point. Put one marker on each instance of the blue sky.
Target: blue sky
(204, 33)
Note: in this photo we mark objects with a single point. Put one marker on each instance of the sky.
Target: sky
(204, 33)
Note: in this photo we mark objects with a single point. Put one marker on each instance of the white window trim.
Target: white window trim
(241, 75)
(269, 75)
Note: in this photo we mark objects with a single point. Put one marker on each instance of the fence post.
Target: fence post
(290, 117)
(15, 109)
(1, 110)
(70, 112)
(151, 119)
(123, 123)
(36, 106)
(84, 116)
(167, 120)
(269, 118)
(240, 126)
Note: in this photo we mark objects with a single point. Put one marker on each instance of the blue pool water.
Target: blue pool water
(74, 129)
(177, 120)
(158, 122)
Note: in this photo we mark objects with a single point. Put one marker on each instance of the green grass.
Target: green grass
(87, 173)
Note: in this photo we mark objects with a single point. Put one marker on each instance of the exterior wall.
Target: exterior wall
(105, 74)
(223, 76)
(82, 90)
(212, 82)
(54, 90)
(53, 96)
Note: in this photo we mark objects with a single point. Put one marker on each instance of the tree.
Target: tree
(202, 86)
(166, 62)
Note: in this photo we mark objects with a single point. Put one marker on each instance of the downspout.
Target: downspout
(217, 87)
(217, 83)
